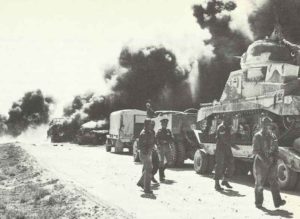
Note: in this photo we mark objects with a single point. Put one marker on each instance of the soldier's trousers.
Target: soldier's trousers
(155, 162)
(224, 165)
(145, 180)
(164, 150)
(263, 172)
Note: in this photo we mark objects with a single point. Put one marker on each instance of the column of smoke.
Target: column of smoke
(29, 112)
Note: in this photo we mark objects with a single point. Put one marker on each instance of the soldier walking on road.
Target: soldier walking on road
(146, 144)
(164, 138)
(265, 149)
(224, 158)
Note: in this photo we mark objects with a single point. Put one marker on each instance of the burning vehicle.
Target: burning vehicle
(93, 132)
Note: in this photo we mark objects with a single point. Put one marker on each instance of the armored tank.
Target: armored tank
(267, 84)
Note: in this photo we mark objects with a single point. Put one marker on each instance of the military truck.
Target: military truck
(57, 131)
(267, 85)
(125, 127)
(181, 124)
(92, 132)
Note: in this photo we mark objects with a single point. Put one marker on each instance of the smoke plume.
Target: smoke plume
(31, 110)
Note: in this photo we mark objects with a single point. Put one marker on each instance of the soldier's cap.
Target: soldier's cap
(164, 118)
(266, 120)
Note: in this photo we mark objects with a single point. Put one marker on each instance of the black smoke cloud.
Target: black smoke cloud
(226, 42)
(284, 12)
(150, 73)
(32, 110)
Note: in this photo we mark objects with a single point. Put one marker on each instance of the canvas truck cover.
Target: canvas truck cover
(122, 122)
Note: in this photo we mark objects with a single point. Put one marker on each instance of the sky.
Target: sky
(63, 46)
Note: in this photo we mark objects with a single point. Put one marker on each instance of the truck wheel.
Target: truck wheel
(200, 162)
(211, 163)
(108, 145)
(135, 152)
(180, 155)
(287, 178)
(172, 155)
(241, 168)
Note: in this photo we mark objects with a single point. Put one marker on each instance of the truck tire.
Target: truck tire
(241, 168)
(180, 155)
(200, 162)
(211, 163)
(135, 152)
(108, 145)
(119, 147)
(173, 155)
(287, 177)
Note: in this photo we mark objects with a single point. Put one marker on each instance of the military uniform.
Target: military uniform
(224, 158)
(265, 149)
(146, 145)
(164, 138)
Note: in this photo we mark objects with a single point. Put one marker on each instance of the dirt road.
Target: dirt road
(112, 178)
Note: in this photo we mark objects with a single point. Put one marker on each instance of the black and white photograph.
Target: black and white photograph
(138, 109)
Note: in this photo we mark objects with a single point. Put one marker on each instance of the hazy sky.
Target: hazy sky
(62, 46)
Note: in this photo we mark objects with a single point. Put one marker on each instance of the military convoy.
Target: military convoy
(267, 84)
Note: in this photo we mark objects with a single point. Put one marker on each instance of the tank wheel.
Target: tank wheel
(241, 168)
(135, 151)
(200, 162)
(108, 145)
(118, 147)
(172, 155)
(180, 155)
(211, 163)
(287, 178)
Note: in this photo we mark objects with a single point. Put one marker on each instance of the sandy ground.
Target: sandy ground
(111, 178)
(29, 191)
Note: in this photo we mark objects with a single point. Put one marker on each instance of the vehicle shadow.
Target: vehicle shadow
(277, 212)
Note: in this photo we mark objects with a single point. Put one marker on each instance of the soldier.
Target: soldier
(150, 112)
(155, 158)
(146, 144)
(265, 149)
(164, 138)
(224, 158)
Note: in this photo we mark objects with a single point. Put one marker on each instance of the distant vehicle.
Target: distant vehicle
(185, 143)
(93, 132)
(267, 85)
(57, 131)
(125, 127)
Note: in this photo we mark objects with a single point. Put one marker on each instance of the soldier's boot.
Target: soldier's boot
(161, 174)
(217, 186)
(153, 179)
(278, 201)
(226, 184)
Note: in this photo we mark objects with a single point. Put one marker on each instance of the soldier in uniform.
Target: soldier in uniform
(150, 112)
(155, 158)
(146, 144)
(224, 158)
(163, 138)
(265, 149)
